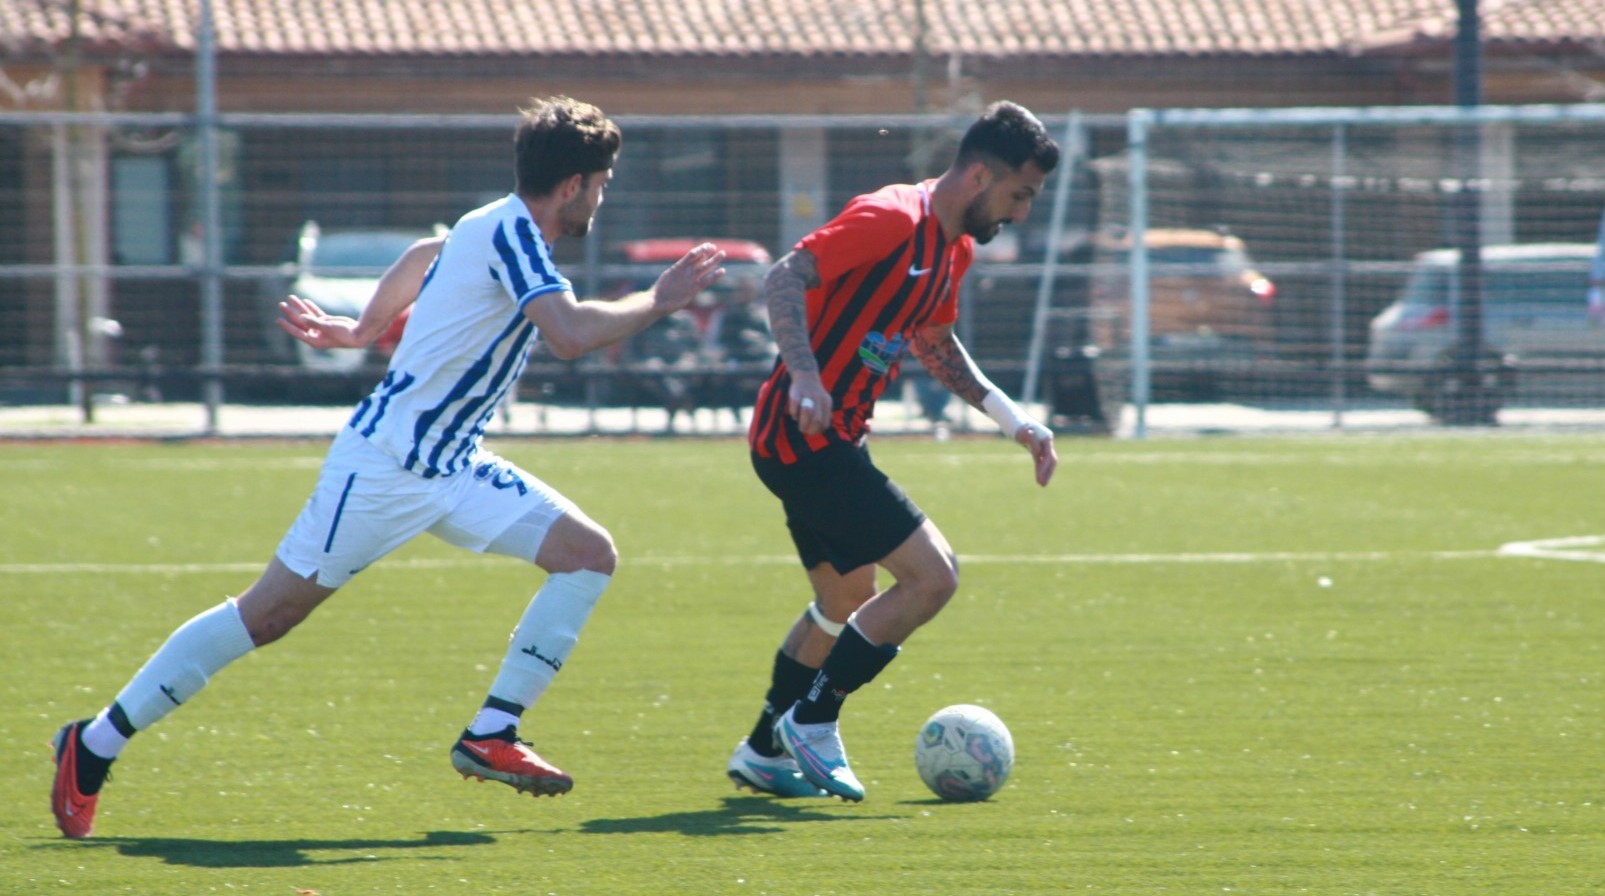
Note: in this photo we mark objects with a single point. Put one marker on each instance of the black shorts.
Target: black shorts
(840, 508)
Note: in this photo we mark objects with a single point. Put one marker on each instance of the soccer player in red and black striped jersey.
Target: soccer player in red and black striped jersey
(879, 281)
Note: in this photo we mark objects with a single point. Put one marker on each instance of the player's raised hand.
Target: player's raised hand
(304, 320)
(1038, 439)
(695, 271)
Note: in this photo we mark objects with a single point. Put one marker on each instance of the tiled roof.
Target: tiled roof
(798, 28)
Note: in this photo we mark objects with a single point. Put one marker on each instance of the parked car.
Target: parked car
(1534, 315)
(338, 269)
(1208, 306)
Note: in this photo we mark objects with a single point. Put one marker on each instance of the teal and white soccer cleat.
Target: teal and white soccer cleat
(778, 775)
(820, 756)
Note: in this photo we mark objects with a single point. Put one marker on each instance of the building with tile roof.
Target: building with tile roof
(643, 58)
(827, 56)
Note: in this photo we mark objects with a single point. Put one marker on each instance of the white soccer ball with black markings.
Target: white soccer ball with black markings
(964, 753)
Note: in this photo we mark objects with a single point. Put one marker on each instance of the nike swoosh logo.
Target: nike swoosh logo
(763, 773)
(483, 751)
(917, 272)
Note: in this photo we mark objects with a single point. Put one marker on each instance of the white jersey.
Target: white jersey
(465, 344)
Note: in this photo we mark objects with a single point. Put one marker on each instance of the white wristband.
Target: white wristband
(1008, 415)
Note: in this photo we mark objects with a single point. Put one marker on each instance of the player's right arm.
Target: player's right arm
(571, 328)
(397, 289)
(786, 288)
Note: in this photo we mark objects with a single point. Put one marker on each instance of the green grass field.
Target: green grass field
(1236, 666)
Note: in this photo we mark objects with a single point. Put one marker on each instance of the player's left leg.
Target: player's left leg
(927, 575)
(579, 557)
(759, 763)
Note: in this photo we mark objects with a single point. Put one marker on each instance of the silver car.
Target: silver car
(1535, 321)
(339, 270)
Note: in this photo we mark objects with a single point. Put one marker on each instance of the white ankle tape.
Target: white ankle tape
(834, 629)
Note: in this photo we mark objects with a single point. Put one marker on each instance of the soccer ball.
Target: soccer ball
(964, 753)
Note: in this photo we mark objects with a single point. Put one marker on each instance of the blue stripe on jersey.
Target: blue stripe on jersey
(540, 263)
(459, 457)
(515, 271)
(545, 290)
(387, 389)
(384, 399)
(518, 329)
(367, 400)
(512, 364)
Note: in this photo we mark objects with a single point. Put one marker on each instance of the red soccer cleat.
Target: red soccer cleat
(503, 757)
(74, 810)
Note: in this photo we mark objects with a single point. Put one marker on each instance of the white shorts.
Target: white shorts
(365, 506)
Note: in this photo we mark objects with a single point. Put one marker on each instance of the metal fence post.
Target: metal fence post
(1340, 148)
(1137, 175)
(211, 218)
(1075, 141)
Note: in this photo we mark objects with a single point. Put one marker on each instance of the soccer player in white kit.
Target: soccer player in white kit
(410, 460)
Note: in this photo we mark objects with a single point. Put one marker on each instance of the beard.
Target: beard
(575, 219)
(575, 225)
(978, 225)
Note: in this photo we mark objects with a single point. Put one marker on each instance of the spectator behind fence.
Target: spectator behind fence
(739, 344)
(661, 364)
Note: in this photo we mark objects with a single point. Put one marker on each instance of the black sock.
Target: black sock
(510, 733)
(788, 683)
(92, 769)
(852, 663)
(119, 720)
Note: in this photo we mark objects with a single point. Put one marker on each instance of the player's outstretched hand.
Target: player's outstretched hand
(695, 271)
(307, 322)
(1038, 439)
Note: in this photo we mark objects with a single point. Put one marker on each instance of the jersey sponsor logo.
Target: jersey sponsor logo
(879, 353)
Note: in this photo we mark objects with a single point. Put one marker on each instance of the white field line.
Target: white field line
(1575, 547)
(1241, 557)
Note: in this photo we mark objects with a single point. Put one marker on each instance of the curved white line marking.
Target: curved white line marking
(1570, 548)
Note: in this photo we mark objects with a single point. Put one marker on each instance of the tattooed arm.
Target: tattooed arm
(947, 361)
(785, 289)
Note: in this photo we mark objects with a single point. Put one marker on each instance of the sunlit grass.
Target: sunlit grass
(1255, 666)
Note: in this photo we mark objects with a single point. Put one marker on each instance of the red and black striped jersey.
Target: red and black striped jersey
(886, 271)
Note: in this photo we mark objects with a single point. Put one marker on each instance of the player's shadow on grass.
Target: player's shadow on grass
(738, 815)
(281, 853)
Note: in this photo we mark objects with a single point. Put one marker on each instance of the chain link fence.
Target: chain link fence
(1312, 266)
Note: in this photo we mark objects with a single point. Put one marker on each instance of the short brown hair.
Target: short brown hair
(558, 138)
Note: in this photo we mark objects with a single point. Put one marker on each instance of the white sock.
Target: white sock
(492, 721)
(181, 667)
(102, 737)
(545, 636)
